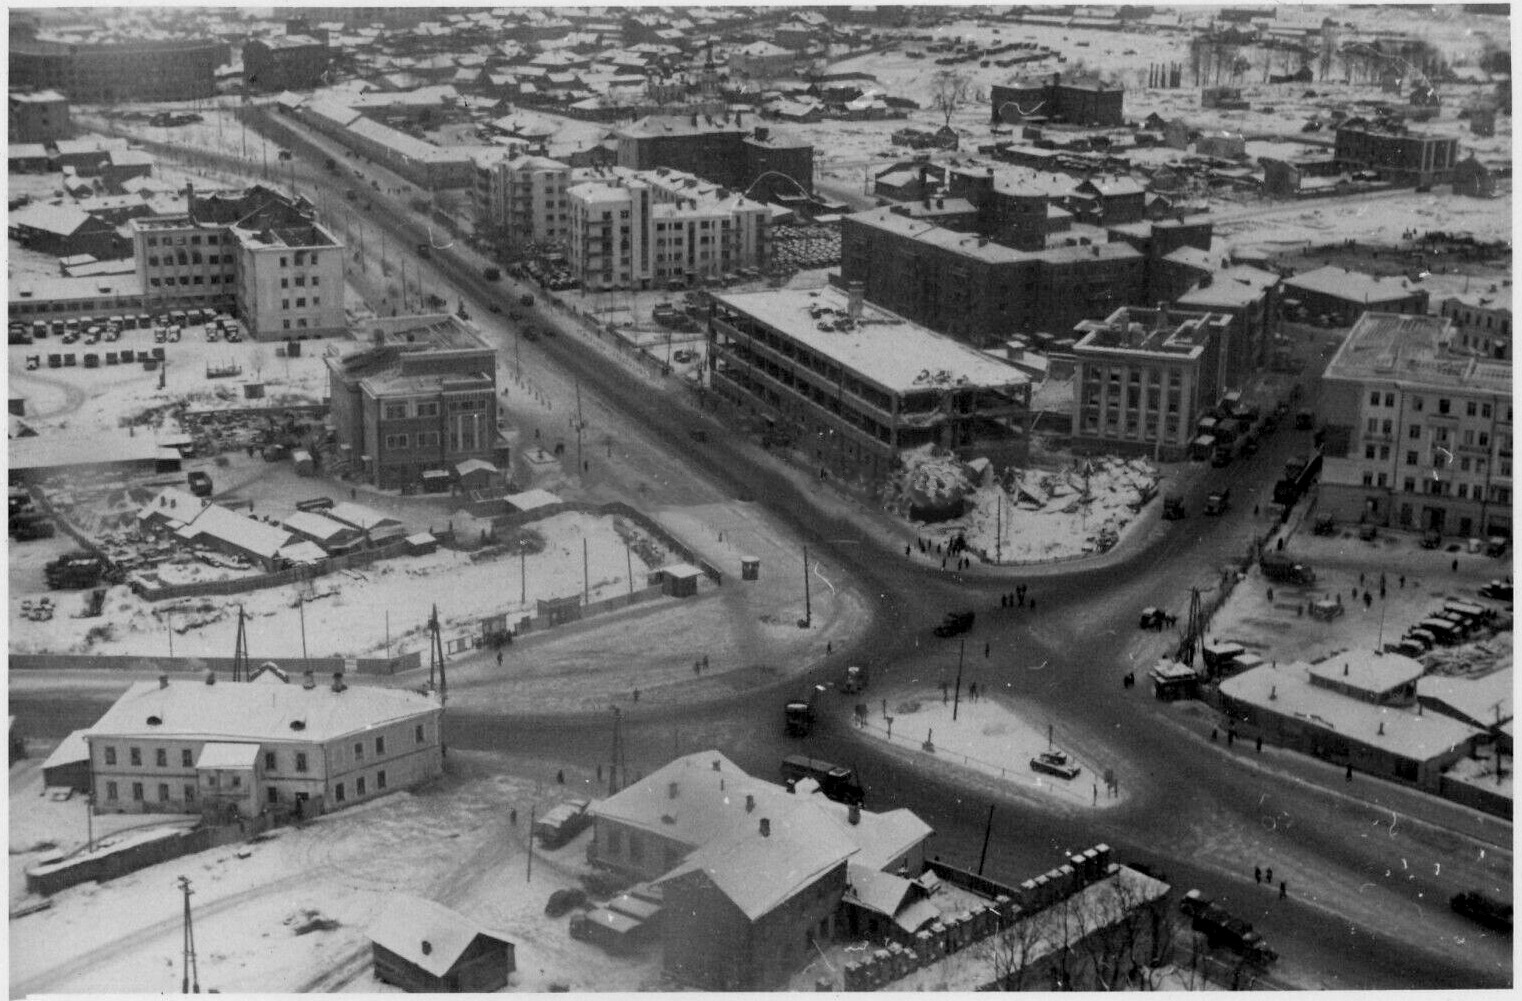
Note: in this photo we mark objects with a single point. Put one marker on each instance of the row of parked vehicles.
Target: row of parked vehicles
(93, 330)
(1454, 623)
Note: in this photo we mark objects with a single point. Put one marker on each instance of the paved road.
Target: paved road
(1369, 878)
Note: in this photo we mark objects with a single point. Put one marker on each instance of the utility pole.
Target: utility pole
(190, 981)
(529, 874)
(999, 526)
(580, 465)
(957, 701)
(522, 574)
(808, 608)
(988, 828)
(585, 591)
(629, 563)
(240, 650)
(618, 750)
(301, 606)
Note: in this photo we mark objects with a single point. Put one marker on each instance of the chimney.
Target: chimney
(1344, 669)
(750, 802)
(762, 133)
(338, 681)
(211, 677)
(766, 825)
(715, 764)
(1381, 733)
(853, 814)
(671, 790)
(854, 300)
(163, 681)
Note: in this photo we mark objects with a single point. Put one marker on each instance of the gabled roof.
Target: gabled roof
(62, 220)
(239, 530)
(426, 934)
(317, 525)
(359, 516)
(1354, 286)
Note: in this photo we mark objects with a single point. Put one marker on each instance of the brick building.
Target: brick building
(107, 73)
(1404, 157)
(1077, 102)
(522, 199)
(1482, 320)
(421, 399)
(285, 62)
(720, 150)
(38, 117)
(1417, 436)
(977, 290)
(1343, 296)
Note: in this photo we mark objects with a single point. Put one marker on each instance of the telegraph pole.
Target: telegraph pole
(240, 650)
(957, 701)
(190, 981)
(585, 590)
(301, 606)
(988, 828)
(808, 613)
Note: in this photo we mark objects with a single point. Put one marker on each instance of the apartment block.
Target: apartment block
(1482, 321)
(523, 200)
(1144, 377)
(1408, 157)
(1418, 435)
(1078, 102)
(722, 150)
(134, 70)
(39, 117)
(285, 62)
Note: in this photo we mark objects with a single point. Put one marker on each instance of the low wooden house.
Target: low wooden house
(424, 947)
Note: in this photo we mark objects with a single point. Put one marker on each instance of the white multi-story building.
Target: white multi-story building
(1418, 436)
(630, 229)
(189, 746)
(256, 252)
(522, 199)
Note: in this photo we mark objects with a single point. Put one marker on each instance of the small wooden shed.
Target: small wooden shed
(680, 580)
(424, 947)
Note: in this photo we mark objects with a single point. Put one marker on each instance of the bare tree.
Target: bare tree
(949, 90)
(1011, 951)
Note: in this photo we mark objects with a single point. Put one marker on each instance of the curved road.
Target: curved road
(1369, 879)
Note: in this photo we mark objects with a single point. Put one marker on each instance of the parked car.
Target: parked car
(1055, 763)
(1496, 590)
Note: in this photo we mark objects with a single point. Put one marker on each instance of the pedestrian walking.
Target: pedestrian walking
(512, 816)
(705, 658)
(1231, 736)
(1096, 793)
(1268, 875)
(1350, 773)
(985, 651)
(1283, 889)
(560, 777)
(972, 692)
(1257, 874)
(943, 563)
(1360, 578)
(1033, 604)
(1214, 733)
(697, 666)
(906, 549)
(636, 695)
(1402, 582)
(1455, 566)
(1259, 747)
(353, 493)
(499, 658)
(1368, 600)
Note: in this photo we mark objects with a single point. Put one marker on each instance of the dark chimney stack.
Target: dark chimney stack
(766, 825)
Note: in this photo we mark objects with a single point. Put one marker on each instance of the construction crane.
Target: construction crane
(1194, 630)
(241, 671)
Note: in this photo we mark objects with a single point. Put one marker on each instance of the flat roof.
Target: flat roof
(1413, 350)
(1353, 286)
(1368, 671)
(897, 354)
(60, 451)
(1288, 691)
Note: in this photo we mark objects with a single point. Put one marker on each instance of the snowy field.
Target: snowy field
(307, 894)
(350, 613)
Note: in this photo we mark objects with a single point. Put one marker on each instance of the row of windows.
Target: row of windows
(301, 303)
(302, 257)
(212, 239)
(300, 281)
(271, 758)
(272, 793)
(423, 439)
(194, 257)
(398, 410)
(1472, 408)
(1442, 488)
(215, 279)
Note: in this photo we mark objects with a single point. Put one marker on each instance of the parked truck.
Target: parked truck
(1221, 929)
(562, 823)
(1282, 569)
(75, 571)
(799, 714)
(836, 781)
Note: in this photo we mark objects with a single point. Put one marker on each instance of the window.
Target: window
(285, 304)
(1409, 485)
(1373, 399)
(301, 303)
(1416, 404)
(1382, 480)
(1368, 479)
(187, 758)
(316, 279)
(359, 786)
(110, 755)
(111, 791)
(1411, 459)
(161, 757)
(380, 779)
(317, 300)
(395, 411)
(301, 761)
(1389, 399)
(359, 750)
(163, 792)
(137, 791)
(269, 761)
(338, 792)
(285, 324)
(285, 283)
(1387, 427)
(1485, 410)
(1442, 405)
(301, 281)
(380, 745)
(135, 756)
(1463, 491)
(153, 262)
(282, 262)
(155, 282)
(190, 792)
(1484, 439)
(1471, 409)
(1384, 451)
(396, 442)
(1373, 425)
(1368, 451)
(1414, 432)
(430, 409)
(271, 794)
(418, 733)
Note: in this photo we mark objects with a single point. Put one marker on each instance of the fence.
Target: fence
(1475, 796)
(134, 662)
(98, 866)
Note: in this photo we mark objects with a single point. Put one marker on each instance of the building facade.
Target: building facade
(285, 62)
(721, 150)
(1482, 322)
(245, 747)
(857, 385)
(1144, 377)
(145, 70)
(1417, 436)
(1078, 102)
(523, 200)
(1405, 157)
(256, 253)
(39, 117)
(422, 399)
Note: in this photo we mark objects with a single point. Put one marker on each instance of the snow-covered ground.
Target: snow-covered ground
(351, 613)
(305, 896)
(1037, 515)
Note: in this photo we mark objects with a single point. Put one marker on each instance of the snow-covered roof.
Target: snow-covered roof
(710, 804)
(1287, 691)
(530, 499)
(304, 551)
(426, 934)
(1368, 671)
(316, 525)
(359, 516)
(63, 220)
(758, 872)
(1481, 699)
(223, 754)
(232, 712)
(1354, 286)
(71, 750)
(238, 530)
(474, 465)
(1234, 286)
(52, 451)
(882, 347)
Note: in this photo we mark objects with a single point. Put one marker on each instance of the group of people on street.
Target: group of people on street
(1016, 598)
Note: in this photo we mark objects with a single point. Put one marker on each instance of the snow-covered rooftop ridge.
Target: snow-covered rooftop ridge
(425, 933)
(229, 711)
(880, 346)
(1367, 670)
